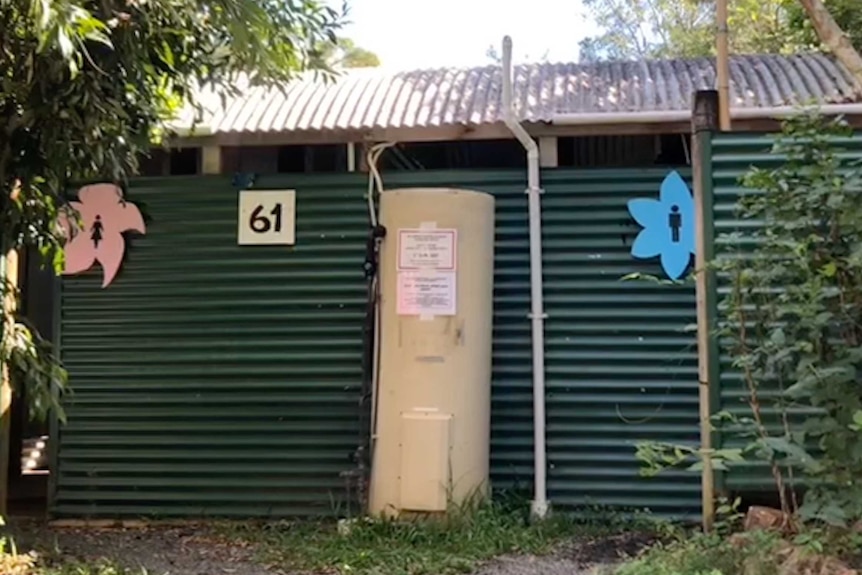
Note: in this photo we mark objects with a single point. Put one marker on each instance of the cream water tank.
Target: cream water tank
(432, 436)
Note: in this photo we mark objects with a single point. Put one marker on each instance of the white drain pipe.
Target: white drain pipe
(539, 506)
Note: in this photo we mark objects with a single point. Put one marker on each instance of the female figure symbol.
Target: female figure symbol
(102, 211)
(96, 236)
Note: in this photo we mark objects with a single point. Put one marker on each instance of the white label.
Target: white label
(428, 249)
(267, 217)
(426, 293)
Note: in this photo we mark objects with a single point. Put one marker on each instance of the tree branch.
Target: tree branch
(831, 34)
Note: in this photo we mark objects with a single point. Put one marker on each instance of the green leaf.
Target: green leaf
(783, 445)
(734, 455)
(829, 270)
(167, 54)
(778, 338)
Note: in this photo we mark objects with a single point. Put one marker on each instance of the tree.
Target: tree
(344, 53)
(349, 55)
(845, 12)
(86, 85)
(832, 35)
(636, 29)
(639, 29)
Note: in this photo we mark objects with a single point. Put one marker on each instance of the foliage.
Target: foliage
(846, 14)
(793, 318)
(12, 562)
(86, 85)
(15, 564)
(346, 54)
(727, 551)
(658, 456)
(456, 544)
(686, 28)
(708, 554)
(752, 553)
(792, 323)
(644, 28)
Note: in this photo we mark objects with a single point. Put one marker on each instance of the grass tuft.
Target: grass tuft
(458, 543)
(757, 552)
(701, 554)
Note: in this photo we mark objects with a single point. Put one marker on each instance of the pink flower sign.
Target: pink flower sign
(96, 235)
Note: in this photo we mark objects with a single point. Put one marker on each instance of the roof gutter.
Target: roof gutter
(659, 117)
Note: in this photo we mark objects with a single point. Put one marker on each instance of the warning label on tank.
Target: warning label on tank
(427, 249)
(426, 293)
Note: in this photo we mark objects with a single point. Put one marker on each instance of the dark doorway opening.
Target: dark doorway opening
(29, 440)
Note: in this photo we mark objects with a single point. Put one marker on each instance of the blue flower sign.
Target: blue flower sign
(668, 226)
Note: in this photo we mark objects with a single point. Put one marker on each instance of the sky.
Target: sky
(409, 34)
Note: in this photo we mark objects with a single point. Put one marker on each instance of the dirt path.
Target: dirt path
(583, 557)
(160, 551)
(195, 550)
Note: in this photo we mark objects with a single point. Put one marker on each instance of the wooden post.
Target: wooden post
(351, 157)
(211, 160)
(722, 64)
(362, 160)
(10, 303)
(704, 123)
(548, 152)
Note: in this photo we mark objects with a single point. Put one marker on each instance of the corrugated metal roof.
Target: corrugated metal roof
(375, 99)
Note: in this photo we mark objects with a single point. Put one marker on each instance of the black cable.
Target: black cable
(370, 360)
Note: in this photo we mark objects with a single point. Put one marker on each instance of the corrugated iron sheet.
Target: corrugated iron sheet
(370, 98)
(213, 380)
(621, 365)
(732, 156)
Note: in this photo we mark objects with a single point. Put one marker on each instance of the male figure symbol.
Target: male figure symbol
(674, 220)
(668, 226)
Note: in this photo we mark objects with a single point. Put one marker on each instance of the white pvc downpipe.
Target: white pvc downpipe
(539, 505)
(658, 117)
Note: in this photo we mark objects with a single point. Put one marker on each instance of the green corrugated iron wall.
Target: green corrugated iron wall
(621, 366)
(212, 379)
(732, 156)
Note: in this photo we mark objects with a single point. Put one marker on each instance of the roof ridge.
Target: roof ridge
(384, 71)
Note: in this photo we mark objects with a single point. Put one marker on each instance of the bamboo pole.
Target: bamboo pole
(722, 64)
(703, 123)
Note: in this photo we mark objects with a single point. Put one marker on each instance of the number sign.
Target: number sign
(267, 217)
